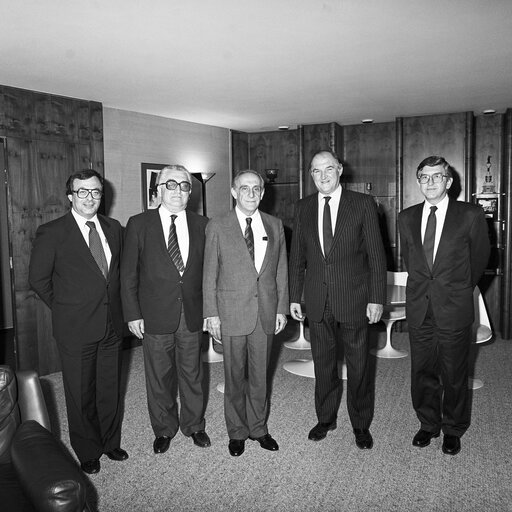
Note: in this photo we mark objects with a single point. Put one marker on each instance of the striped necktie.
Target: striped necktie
(173, 248)
(249, 237)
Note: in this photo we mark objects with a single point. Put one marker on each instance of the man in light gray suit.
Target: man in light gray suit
(245, 300)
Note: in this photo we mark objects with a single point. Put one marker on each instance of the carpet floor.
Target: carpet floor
(331, 475)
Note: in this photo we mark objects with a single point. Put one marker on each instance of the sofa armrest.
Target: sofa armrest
(49, 476)
(30, 398)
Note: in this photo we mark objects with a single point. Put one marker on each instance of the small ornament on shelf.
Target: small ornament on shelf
(488, 187)
(271, 174)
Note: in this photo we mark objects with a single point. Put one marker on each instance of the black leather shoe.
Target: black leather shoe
(161, 444)
(91, 466)
(451, 444)
(117, 454)
(267, 442)
(423, 437)
(319, 431)
(201, 439)
(364, 439)
(236, 447)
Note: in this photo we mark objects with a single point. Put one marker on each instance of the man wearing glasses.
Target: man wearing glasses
(162, 297)
(245, 287)
(445, 248)
(74, 268)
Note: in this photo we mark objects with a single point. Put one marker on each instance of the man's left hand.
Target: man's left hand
(374, 312)
(280, 323)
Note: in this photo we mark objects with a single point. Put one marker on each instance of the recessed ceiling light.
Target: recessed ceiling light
(367, 121)
(489, 112)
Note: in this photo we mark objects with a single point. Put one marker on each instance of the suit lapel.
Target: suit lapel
(269, 246)
(238, 239)
(311, 216)
(344, 213)
(416, 215)
(76, 239)
(112, 242)
(194, 236)
(156, 233)
(450, 228)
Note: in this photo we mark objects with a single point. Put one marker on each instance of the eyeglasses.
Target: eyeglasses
(245, 189)
(82, 193)
(437, 177)
(185, 186)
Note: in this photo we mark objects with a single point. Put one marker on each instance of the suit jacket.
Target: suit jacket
(233, 289)
(152, 288)
(353, 274)
(65, 275)
(460, 260)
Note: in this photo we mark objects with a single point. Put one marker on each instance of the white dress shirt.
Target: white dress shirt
(259, 233)
(440, 214)
(334, 205)
(181, 230)
(85, 233)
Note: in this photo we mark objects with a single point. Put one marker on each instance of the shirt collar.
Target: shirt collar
(82, 220)
(335, 196)
(242, 216)
(165, 213)
(442, 206)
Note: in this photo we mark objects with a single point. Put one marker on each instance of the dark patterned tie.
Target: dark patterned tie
(96, 248)
(327, 226)
(430, 237)
(173, 248)
(249, 237)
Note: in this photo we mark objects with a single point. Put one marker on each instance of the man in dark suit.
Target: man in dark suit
(445, 247)
(337, 263)
(161, 272)
(245, 302)
(74, 268)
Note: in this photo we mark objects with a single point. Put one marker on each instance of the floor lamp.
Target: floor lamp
(210, 356)
(204, 178)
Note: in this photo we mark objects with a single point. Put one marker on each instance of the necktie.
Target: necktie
(430, 237)
(173, 248)
(327, 227)
(249, 237)
(96, 247)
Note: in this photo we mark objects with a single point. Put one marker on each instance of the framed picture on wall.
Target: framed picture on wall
(149, 189)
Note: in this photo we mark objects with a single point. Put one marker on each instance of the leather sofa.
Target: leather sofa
(37, 473)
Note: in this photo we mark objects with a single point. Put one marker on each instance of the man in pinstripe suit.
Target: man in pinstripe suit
(337, 259)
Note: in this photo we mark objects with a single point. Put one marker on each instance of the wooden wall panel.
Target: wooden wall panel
(48, 138)
(369, 157)
(16, 112)
(424, 136)
(6, 309)
(489, 142)
(240, 150)
(316, 138)
(275, 150)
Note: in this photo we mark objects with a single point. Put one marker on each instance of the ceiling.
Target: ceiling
(254, 65)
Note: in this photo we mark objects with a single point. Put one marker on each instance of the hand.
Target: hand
(213, 326)
(280, 323)
(137, 327)
(296, 312)
(374, 312)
